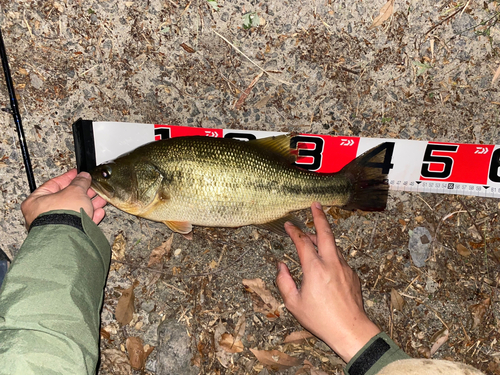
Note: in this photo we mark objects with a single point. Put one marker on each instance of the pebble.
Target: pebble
(173, 352)
(420, 245)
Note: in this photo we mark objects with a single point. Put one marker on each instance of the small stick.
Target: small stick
(446, 19)
(175, 288)
(249, 59)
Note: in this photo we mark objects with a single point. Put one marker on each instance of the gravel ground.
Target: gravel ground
(424, 74)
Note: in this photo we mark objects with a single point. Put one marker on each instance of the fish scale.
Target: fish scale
(207, 181)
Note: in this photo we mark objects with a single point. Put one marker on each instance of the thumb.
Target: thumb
(286, 285)
(82, 180)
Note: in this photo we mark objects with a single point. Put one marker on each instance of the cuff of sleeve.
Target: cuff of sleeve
(79, 220)
(376, 354)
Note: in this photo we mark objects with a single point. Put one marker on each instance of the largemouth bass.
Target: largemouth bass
(219, 182)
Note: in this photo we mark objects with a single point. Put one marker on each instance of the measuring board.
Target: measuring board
(416, 166)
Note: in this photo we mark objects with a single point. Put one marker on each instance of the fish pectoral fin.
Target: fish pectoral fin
(182, 227)
(279, 145)
(278, 226)
(149, 180)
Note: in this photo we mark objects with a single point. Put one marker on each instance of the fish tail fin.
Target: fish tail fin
(368, 175)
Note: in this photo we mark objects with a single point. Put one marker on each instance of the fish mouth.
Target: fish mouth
(104, 189)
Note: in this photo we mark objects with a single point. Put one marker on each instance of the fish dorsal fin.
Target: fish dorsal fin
(279, 145)
(182, 227)
(278, 226)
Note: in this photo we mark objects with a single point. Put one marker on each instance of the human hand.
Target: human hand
(329, 302)
(68, 191)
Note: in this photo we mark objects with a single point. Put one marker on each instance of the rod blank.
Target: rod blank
(17, 116)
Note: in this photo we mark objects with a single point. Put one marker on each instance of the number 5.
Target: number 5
(445, 161)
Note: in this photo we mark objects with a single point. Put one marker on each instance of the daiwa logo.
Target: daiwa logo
(346, 142)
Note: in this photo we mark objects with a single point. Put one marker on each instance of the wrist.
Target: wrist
(354, 339)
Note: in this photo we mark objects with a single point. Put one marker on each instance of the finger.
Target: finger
(98, 215)
(286, 285)
(82, 180)
(98, 202)
(313, 238)
(305, 247)
(56, 184)
(64, 180)
(325, 239)
(91, 193)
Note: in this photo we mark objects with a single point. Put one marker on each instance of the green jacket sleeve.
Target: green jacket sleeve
(51, 298)
(375, 355)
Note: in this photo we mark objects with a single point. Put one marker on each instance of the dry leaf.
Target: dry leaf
(247, 91)
(187, 48)
(116, 362)
(275, 359)
(478, 312)
(310, 369)
(137, 352)
(424, 351)
(262, 102)
(223, 357)
(230, 344)
(494, 367)
(338, 213)
(439, 338)
(59, 7)
(159, 252)
(384, 15)
(497, 74)
(118, 248)
(239, 330)
(262, 299)
(463, 251)
(397, 301)
(297, 337)
(125, 308)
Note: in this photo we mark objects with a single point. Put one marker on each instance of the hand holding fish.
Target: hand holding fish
(329, 302)
(66, 192)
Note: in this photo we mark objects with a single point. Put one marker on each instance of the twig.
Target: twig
(423, 200)
(472, 218)
(175, 288)
(185, 9)
(465, 7)
(291, 259)
(249, 59)
(418, 300)
(27, 25)
(446, 19)
(218, 269)
(373, 234)
(181, 276)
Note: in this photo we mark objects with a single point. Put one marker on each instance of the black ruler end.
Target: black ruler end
(83, 137)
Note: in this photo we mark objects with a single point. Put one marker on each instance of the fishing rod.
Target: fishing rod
(16, 115)
(4, 259)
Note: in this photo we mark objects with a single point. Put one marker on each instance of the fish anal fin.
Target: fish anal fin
(278, 226)
(182, 227)
(279, 145)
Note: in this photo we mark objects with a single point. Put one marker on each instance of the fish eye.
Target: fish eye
(106, 172)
